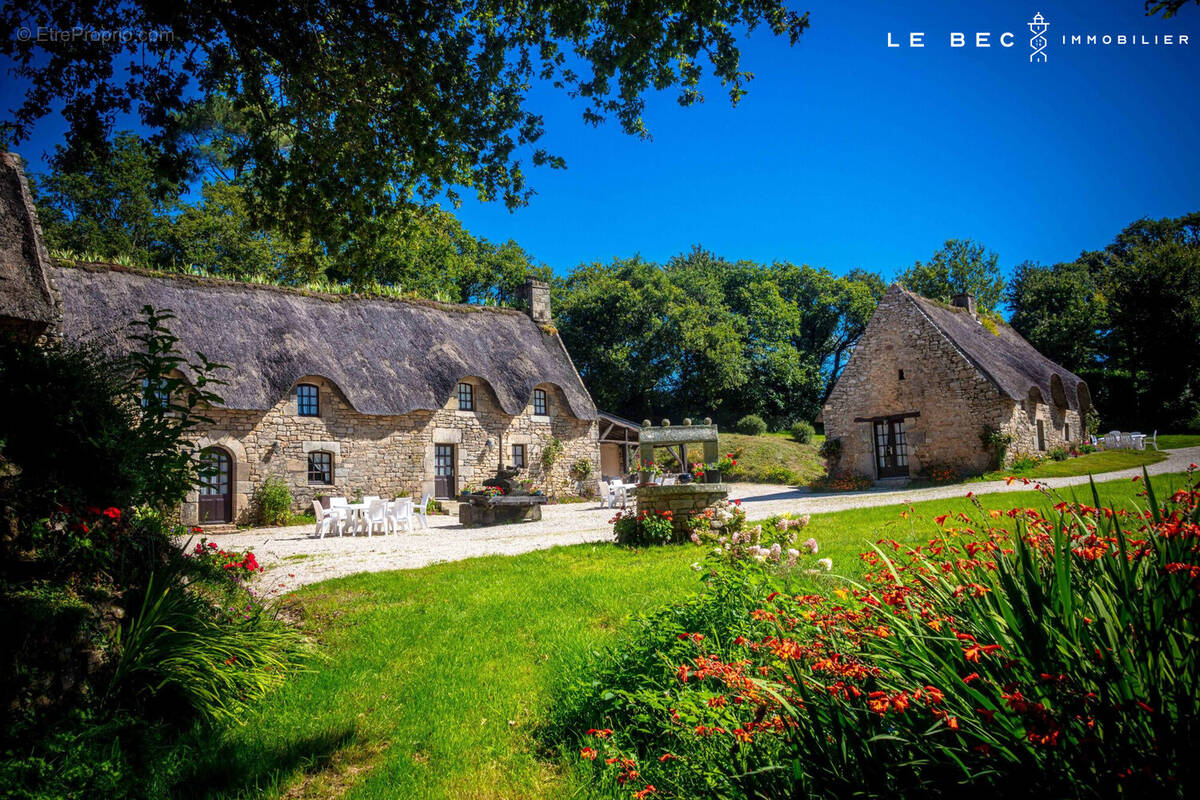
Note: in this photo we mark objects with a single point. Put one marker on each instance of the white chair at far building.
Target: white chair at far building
(400, 513)
(422, 511)
(605, 494)
(377, 517)
(326, 520)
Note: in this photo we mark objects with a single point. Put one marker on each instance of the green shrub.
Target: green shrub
(1059, 454)
(751, 425)
(581, 470)
(803, 432)
(640, 530)
(273, 499)
(780, 474)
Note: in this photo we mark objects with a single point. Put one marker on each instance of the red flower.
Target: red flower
(112, 512)
(588, 753)
(667, 756)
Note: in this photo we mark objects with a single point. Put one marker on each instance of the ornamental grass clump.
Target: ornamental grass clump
(1052, 652)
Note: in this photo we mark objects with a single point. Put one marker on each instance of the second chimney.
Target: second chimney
(536, 297)
(966, 301)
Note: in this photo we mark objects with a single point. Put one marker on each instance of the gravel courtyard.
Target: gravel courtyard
(293, 558)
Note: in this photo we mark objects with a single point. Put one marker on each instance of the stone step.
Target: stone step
(215, 529)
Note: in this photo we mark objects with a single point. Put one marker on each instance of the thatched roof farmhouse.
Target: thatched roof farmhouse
(926, 379)
(333, 394)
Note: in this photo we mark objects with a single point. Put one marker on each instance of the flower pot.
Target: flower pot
(712, 476)
(685, 477)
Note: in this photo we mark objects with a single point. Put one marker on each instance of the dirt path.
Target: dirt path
(294, 558)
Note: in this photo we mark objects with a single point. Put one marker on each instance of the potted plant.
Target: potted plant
(648, 471)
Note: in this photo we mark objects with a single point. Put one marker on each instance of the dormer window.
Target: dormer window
(540, 407)
(308, 400)
(466, 397)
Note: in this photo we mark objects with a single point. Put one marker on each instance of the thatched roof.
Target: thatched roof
(24, 288)
(387, 356)
(1004, 357)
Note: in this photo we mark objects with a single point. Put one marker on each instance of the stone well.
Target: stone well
(682, 500)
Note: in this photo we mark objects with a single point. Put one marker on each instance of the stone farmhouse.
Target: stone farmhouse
(333, 394)
(926, 378)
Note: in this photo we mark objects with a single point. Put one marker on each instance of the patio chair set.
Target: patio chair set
(614, 493)
(1133, 440)
(371, 514)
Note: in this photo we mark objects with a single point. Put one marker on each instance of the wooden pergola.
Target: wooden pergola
(620, 431)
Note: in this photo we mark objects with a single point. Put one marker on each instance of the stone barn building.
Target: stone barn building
(333, 394)
(926, 379)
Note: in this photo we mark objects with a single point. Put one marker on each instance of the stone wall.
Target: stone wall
(1062, 427)
(953, 398)
(682, 500)
(390, 455)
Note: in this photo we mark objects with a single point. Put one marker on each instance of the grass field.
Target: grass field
(432, 680)
(1173, 441)
(1090, 464)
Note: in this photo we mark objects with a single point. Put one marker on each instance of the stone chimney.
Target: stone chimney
(966, 301)
(536, 297)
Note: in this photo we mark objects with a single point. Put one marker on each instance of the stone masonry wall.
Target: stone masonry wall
(1057, 423)
(954, 400)
(389, 455)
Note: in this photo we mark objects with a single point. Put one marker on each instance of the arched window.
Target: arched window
(308, 400)
(540, 405)
(320, 468)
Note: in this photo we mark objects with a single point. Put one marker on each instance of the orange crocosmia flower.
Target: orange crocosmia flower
(589, 753)
(952, 723)
(941, 520)
(974, 676)
(644, 793)
(667, 756)
(682, 673)
(602, 733)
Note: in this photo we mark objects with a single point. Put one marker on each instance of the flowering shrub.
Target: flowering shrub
(941, 475)
(722, 518)
(635, 529)
(1058, 657)
(775, 544)
(213, 561)
(844, 481)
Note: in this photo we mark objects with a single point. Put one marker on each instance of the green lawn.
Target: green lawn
(432, 680)
(1090, 464)
(1173, 441)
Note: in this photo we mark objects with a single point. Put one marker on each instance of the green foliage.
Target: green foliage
(1059, 454)
(1114, 317)
(803, 432)
(751, 425)
(218, 661)
(551, 452)
(831, 451)
(581, 470)
(997, 441)
(273, 499)
(703, 336)
(960, 266)
(385, 106)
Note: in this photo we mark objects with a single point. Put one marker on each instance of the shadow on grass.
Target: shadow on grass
(230, 770)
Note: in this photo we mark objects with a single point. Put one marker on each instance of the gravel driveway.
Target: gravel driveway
(293, 558)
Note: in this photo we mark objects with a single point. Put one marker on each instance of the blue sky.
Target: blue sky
(847, 153)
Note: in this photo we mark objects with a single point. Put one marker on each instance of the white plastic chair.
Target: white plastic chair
(422, 511)
(1153, 439)
(377, 516)
(371, 498)
(325, 520)
(400, 513)
(605, 495)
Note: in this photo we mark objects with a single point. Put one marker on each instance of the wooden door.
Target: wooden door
(443, 470)
(891, 448)
(216, 486)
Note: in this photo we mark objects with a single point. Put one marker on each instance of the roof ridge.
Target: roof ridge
(279, 288)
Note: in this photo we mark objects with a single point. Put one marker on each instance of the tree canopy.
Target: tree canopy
(960, 266)
(349, 111)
